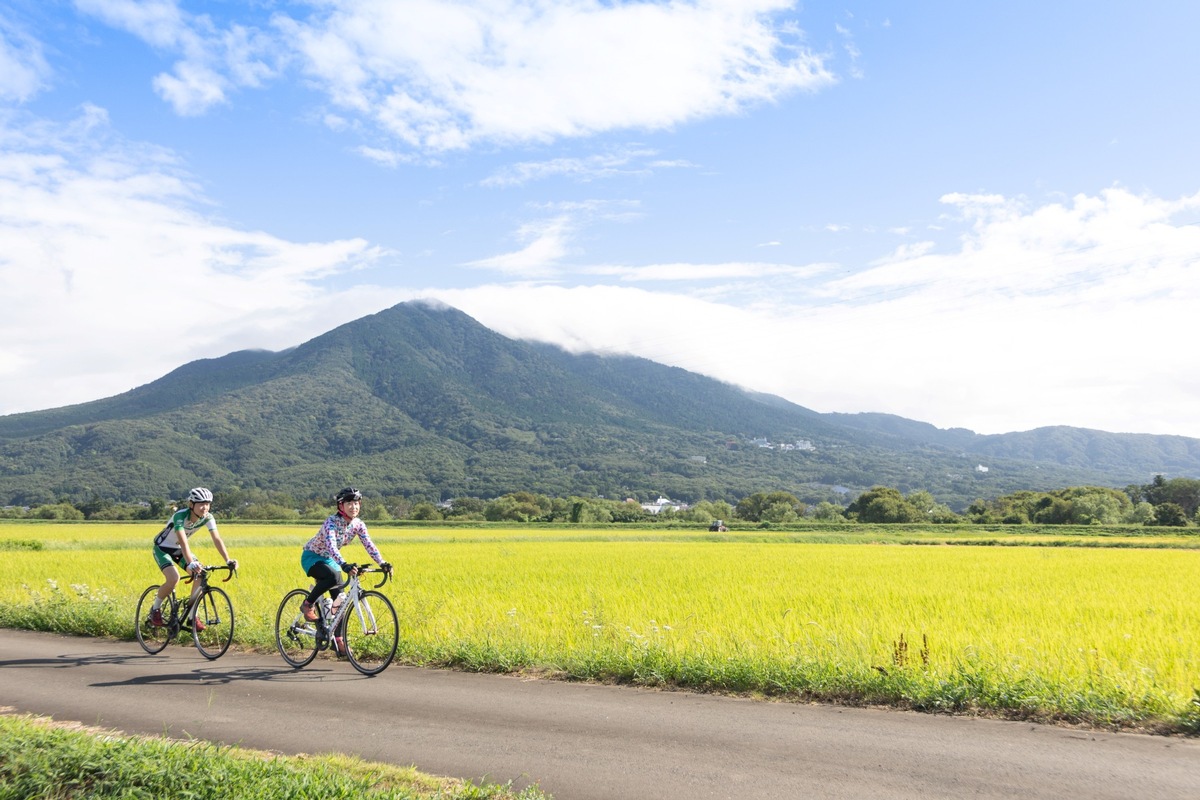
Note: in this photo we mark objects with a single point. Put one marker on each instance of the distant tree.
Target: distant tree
(57, 511)
(1101, 507)
(826, 511)
(398, 507)
(753, 508)
(1140, 514)
(929, 508)
(466, 508)
(560, 509)
(1183, 492)
(96, 506)
(159, 509)
(115, 512)
(706, 511)
(1052, 510)
(627, 511)
(377, 512)
(424, 511)
(1170, 515)
(883, 504)
(587, 510)
(518, 507)
(269, 511)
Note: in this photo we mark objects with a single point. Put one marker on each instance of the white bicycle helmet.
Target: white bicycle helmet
(200, 495)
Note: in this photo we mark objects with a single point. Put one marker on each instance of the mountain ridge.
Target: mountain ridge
(422, 400)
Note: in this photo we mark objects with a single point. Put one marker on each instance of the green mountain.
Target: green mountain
(423, 401)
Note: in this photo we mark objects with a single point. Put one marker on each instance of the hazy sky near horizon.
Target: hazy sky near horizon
(979, 215)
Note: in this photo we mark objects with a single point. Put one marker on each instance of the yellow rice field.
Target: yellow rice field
(1100, 634)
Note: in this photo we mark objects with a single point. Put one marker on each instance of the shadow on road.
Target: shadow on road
(66, 660)
(219, 676)
(202, 674)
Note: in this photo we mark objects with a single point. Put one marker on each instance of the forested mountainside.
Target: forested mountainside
(423, 401)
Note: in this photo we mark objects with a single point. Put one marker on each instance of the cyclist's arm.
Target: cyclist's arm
(219, 544)
(369, 545)
(185, 548)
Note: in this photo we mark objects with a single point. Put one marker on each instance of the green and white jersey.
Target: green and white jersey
(177, 525)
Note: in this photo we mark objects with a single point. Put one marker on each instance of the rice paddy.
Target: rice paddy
(1083, 629)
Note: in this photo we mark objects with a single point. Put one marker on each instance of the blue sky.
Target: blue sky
(979, 215)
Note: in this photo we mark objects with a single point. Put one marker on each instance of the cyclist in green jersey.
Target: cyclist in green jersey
(171, 547)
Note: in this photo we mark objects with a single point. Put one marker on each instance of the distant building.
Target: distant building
(661, 503)
(981, 468)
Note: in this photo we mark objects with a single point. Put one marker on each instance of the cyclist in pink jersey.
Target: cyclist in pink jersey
(322, 558)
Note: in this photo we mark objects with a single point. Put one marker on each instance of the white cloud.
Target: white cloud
(439, 75)
(23, 68)
(214, 61)
(445, 75)
(705, 272)
(112, 276)
(546, 243)
(581, 169)
(1061, 314)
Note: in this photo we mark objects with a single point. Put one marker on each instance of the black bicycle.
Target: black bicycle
(363, 626)
(207, 615)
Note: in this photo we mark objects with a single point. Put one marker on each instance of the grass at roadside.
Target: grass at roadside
(39, 758)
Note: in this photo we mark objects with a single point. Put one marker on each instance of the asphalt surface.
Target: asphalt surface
(581, 741)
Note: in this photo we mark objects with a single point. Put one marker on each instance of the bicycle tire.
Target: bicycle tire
(370, 632)
(295, 636)
(215, 610)
(152, 639)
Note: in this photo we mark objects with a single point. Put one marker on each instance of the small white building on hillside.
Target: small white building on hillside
(661, 503)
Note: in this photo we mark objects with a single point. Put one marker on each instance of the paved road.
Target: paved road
(580, 741)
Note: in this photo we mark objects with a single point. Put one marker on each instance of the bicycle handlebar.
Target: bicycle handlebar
(364, 569)
(232, 572)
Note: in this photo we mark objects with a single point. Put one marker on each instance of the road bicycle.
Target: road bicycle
(208, 604)
(363, 624)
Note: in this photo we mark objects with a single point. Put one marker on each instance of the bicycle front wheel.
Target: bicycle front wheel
(295, 636)
(152, 639)
(370, 632)
(212, 628)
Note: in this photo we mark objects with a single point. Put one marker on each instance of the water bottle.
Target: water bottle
(326, 608)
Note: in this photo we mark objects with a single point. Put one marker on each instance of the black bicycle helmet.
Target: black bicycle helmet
(349, 493)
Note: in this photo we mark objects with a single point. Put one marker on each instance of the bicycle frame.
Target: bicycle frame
(176, 622)
(352, 590)
(206, 614)
(363, 628)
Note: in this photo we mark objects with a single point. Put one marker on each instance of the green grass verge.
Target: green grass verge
(42, 759)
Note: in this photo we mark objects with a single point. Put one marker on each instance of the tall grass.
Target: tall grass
(1098, 635)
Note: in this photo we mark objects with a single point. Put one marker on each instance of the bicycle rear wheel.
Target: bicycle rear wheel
(370, 632)
(152, 639)
(295, 636)
(216, 612)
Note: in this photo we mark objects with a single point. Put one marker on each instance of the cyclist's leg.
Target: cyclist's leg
(166, 562)
(193, 604)
(324, 578)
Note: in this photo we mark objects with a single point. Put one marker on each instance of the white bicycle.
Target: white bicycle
(363, 627)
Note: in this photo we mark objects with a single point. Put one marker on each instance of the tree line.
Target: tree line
(1173, 502)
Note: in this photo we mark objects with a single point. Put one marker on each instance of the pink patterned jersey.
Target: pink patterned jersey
(338, 531)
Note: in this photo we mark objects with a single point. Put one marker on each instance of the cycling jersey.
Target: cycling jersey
(168, 538)
(338, 531)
